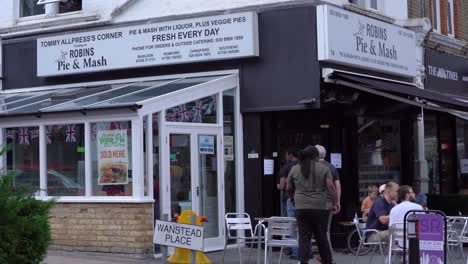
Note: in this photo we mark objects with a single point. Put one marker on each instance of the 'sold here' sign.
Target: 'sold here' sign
(178, 235)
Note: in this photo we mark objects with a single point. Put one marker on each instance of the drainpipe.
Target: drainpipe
(420, 170)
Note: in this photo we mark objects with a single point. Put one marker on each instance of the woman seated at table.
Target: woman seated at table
(372, 194)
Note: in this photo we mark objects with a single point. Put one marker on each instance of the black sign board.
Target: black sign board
(446, 73)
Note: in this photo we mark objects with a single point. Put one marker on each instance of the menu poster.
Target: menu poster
(112, 147)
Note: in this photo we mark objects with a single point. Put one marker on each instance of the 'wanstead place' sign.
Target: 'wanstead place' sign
(351, 39)
(181, 41)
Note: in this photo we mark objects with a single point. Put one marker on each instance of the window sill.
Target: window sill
(44, 21)
(438, 39)
(97, 199)
(373, 13)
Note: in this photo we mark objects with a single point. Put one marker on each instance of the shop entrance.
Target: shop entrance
(196, 177)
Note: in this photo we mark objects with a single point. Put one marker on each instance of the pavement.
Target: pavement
(232, 256)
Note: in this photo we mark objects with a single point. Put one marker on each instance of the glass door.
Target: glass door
(196, 178)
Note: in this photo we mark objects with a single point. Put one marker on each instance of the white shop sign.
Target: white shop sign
(351, 39)
(181, 41)
(178, 235)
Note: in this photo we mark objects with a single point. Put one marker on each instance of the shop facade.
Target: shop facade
(130, 123)
(97, 120)
(445, 131)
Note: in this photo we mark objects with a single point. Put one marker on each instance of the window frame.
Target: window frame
(51, 10)
(451, 15)
(136, 118)
(435, 14)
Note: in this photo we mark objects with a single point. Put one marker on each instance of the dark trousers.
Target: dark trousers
(313, 221)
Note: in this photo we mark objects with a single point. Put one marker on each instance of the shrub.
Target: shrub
(24, 227)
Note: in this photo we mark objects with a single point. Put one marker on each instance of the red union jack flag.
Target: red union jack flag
(34, 134)
(49, 135)
(70, 131)
(11, 134)
(183, 114)
(24, 136)
(171, 115)
(198, 110)
(117, 125)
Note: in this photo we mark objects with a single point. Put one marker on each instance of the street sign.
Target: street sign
(178, 235)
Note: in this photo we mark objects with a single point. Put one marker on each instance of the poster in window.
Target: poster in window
(112, 147)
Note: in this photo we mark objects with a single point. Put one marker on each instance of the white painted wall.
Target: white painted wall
(145, 9)
(397, 9)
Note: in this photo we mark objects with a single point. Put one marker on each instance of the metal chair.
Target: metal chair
(457, 228)
(356, 236)
(279, 234)
(373, 244)
(239, 228)
(395, 244)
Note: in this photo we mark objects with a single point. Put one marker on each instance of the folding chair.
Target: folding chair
(373, 244)
(395, 244)
(239, 228)
(456, 235)
(279, 234)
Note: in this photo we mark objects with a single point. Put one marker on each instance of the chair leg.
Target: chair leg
(358, 250)
(224, 251)
(266, 252)
(373, 253)
(281, 253)
(271, 255)
(240, 251)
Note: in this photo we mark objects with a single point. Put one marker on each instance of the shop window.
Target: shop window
(23, 158)
(462, 151)
(199, 111)
(229, 150)
(65, 160)
(33, 8)
(111, 158)
(379, 152)
(431, 144)
(30, 8)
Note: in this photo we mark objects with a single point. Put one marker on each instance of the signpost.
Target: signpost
(178, 235)
(432, 234)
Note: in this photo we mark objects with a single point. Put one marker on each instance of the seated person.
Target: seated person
(372, 194)
(379, 214)
(421, 198)
(407, 199)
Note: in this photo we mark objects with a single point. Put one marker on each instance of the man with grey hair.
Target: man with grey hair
(336, 177)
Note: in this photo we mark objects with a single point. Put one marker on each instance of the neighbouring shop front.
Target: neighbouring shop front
(446, 131)
(106, 122)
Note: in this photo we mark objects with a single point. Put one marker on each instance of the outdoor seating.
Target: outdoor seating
(279, 234)
(457, 228)
(372, 243)
(239, 228)
(396, 244)
(355, 237)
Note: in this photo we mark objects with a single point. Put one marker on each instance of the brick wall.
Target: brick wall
(463, 19)
(100, 227)
(415, 8)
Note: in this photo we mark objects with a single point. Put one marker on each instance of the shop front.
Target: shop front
(97, 124)
(445, 131)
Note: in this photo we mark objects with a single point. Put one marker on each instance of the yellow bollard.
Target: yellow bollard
(182, 255)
